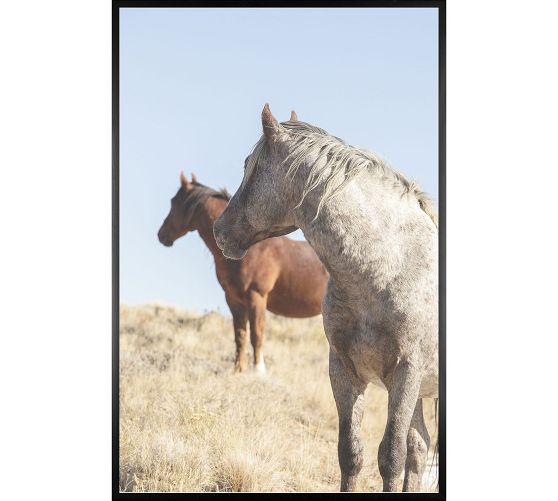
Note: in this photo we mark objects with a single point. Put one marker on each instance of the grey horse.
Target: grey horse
(377, 235)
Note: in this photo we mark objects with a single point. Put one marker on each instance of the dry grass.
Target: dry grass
(188, 423)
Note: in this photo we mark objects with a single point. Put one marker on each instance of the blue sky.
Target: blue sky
(192, 86)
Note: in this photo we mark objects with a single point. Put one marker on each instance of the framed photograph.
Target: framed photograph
(278, 248)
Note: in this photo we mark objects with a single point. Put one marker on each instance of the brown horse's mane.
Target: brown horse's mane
(200, 193)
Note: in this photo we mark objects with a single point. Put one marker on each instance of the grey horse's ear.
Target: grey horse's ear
(294, 116)
(194, 178)
(271, 127)
(184, 181)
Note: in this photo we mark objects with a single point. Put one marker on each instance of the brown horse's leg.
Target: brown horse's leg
(418, 441)
(240, 319)
(256, 314)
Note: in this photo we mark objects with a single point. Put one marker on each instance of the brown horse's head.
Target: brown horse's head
(179, 220)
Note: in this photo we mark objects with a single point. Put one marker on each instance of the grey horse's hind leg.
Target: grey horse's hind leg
(418, 441)
(349, 398)
(403, 395)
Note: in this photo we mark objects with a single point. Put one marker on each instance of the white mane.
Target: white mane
(343, 163)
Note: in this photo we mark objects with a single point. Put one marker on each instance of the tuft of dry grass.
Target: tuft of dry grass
(188, 423)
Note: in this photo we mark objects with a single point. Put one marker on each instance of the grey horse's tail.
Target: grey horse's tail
(436, 446)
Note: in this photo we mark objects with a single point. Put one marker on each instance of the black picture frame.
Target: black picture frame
(438, 4)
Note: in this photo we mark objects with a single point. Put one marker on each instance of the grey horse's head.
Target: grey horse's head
(261, 207)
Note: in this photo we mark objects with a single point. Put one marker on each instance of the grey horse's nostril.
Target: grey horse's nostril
(219, 242)
(217, 234)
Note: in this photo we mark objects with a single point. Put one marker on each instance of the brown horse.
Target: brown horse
(282, 275)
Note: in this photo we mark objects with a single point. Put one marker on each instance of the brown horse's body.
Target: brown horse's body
(282, 275)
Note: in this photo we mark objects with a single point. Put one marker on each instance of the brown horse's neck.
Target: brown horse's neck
(206, 213)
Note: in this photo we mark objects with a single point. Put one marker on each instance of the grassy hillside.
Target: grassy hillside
(188, 423)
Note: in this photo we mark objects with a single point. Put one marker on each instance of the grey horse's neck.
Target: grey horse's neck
(369, 232)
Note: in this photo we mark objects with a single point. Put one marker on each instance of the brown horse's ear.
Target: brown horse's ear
(271, 127)
(184, 181)
(194, 178)
(294, 116)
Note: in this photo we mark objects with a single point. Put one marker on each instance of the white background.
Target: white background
(55, 252)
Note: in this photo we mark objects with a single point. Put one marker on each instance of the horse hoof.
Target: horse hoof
(260, 368)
